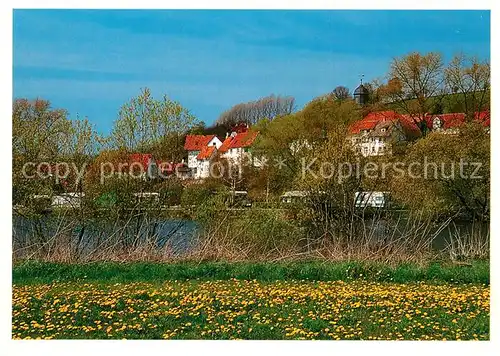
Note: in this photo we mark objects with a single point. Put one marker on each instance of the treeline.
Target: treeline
(268, 107)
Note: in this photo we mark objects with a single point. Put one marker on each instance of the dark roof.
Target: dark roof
(361, 90)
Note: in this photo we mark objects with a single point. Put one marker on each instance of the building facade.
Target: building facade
(377, 132)
(201, 150)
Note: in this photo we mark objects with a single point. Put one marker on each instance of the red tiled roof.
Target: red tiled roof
(410, 127)
(409, 122)
(206, 152)
(239, 128)
(243, 139)
(225, 145)
(484, 117)
(456, 119)
(382, 115)
(196, 142)
(372, 119)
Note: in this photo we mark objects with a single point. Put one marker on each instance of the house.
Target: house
(376, 133)
(237, 147)
(449, 123)
(201, 150)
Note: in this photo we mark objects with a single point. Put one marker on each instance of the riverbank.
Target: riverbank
(437, 272)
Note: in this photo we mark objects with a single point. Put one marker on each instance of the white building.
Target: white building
(237, 148)
(375, 134)
(201, 150)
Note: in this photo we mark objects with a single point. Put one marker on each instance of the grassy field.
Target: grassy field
(214, 300)
(251, 309)
(43, 272)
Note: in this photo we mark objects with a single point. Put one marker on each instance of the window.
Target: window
(365, 150)
(382, 130)
(373, 148)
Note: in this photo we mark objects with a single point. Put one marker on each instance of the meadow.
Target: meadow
(239, 308)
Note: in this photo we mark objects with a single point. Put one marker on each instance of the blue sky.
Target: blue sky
(91, 62)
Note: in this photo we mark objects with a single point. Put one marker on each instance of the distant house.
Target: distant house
(201, 150)
(449, 123)
(237, 147)
(376, 132)
(371, 199)
(68, 200)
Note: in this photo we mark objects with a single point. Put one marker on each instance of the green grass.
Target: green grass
(44, 272)
(242, 309)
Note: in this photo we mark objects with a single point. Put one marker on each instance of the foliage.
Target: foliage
(46, 137)
(438, 184)
(288, 140)
(342, 93)
(268, 231)
(145, 122)
(196, 194)
(268, 107)
(470, 79)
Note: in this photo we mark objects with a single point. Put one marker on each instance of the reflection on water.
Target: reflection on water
(177, 233)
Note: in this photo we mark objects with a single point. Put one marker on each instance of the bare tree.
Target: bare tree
(470, 79)
(268, 107)
(341, 93)
(414, 79)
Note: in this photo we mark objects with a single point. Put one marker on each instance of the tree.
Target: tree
(287, 140)
(38, 131)
(469, 79)
(198, 129)
(145, 122)
(268, 107)
(341, 93)
(50, 151)
(413, 80)
(447, 174)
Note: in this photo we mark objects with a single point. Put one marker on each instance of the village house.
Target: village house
(376, 133)
(201, 151)
(449, 123)
(237, 147)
